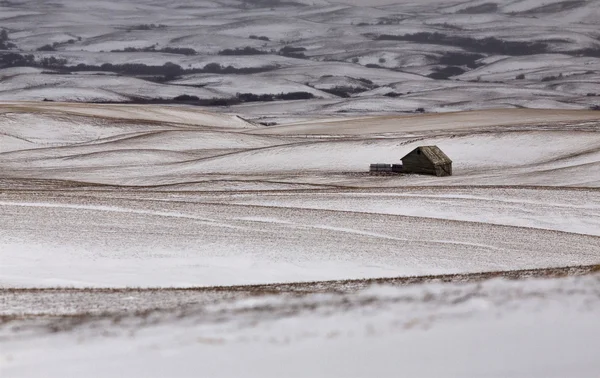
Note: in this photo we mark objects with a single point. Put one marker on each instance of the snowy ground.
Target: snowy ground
(120, 196)
(124, 227)
(112, 196)
(340, 51)
(494, 328)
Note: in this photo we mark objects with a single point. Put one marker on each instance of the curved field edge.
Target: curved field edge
(64, 309)
(334, 285)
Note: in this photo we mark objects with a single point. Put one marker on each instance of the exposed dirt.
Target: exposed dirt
(21, 303)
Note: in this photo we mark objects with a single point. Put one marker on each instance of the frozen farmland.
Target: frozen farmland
(300, 189)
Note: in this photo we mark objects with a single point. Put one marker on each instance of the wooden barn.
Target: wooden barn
(429, 160)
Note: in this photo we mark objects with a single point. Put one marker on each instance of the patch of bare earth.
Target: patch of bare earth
(81, 303)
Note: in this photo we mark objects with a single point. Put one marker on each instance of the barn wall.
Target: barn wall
(443, 170)
(417, 163)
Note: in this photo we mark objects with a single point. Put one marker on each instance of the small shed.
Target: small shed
(429, 160)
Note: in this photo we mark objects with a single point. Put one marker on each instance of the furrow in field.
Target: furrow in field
(119, 242)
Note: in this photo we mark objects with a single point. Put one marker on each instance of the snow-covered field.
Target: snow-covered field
(337, 49)
(97, 199)
(129, 199)
(139, 238)
(496, 328)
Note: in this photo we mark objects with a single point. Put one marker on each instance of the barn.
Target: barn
(428, 160)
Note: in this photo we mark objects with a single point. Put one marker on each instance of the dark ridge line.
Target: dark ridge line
(243, 151)
(336, 285)
(261, 181)
(27, 107)
(16, 137)
(138, 135)
(433, 133)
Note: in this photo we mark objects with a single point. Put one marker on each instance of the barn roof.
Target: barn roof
(434, 154)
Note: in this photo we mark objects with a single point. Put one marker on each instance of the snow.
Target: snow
(180, 240)
(536, 65)
(338, 38)
(186, 196)
(550, 210)
(540, 328)
(528, 5)
(276, 27)
(14, 71)
(92, 88)
(163, 198)
(316, 71)
(190, 240)
(478, 141)
(10, 143)
(401, 125)
(231, 85)
(159, 117)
